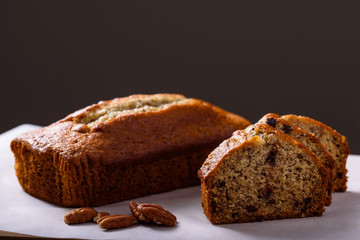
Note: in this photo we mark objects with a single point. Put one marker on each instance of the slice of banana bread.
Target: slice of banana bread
(262, 174)
(306, 138)
(121, 149)
(334, 142)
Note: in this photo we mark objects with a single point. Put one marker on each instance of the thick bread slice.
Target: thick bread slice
(336, 145)
(262, 174)
(306, 138)
(121, 149)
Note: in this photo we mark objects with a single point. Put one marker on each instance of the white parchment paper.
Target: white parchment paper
(22, 213)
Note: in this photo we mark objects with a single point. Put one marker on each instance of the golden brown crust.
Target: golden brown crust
(82, 114)
(218, 154)
(343, 140)
(103, 162)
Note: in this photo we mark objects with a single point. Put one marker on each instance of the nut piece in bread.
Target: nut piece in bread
(335, 144)
(262, 174)
(308, 139)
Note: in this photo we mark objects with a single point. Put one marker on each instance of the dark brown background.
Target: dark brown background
(248, 57)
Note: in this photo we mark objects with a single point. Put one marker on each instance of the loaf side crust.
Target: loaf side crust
(76, 162)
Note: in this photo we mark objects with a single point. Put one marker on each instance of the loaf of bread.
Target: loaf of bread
(121, 149)
(261, 174)
(309, 141)
(335, 144)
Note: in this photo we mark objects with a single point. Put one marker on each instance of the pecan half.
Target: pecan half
(160, 216)
(134, 208)
(80, 215)
(116, 221)
(100, 215)
(152, 213)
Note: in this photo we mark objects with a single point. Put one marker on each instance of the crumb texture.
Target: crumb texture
(335, 144)
(309, 140)
(262, 174)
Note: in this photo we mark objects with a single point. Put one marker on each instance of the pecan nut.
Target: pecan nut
(134, 208)
(80, 215)
(100, 215)
(159, 215)
(152, 213)
(116, 221)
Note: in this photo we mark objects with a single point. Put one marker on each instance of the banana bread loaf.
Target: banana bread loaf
(334, 142)
(262, 174)
(309, 141)
(121, 149)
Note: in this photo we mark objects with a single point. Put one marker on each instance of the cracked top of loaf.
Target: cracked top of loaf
(134, 127)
